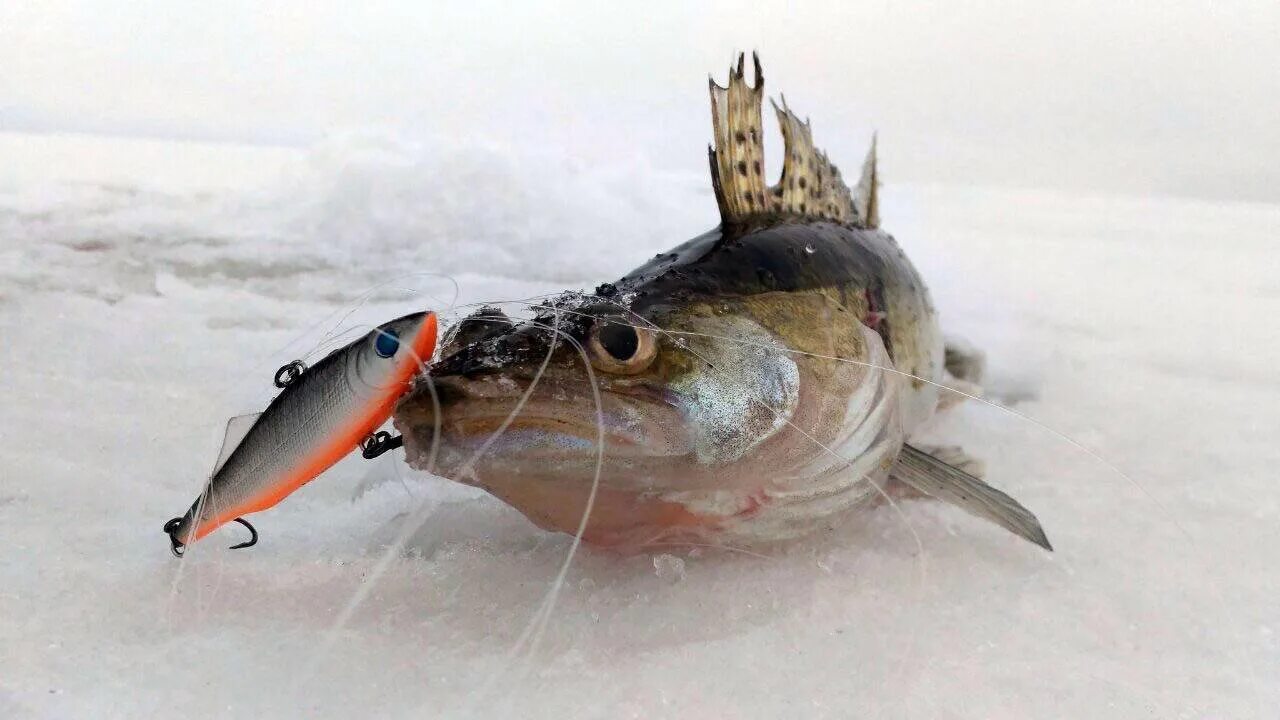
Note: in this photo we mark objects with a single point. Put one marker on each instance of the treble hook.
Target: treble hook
(252, 540)
(179, 549)
(289, 372)
(379, 443)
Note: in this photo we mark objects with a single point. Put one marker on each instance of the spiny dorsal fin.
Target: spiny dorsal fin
(866, 197)
(810, 187)
(737, 162)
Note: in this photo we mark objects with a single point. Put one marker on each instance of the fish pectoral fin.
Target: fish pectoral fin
(956, 457)
(937, 479)
(237, 428)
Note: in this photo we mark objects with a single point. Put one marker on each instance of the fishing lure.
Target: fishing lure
(321, 414)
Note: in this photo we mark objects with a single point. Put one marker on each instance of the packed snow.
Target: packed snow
(148, 290)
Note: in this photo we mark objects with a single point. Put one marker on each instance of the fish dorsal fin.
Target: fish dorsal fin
(737, 161)
(810, 186)
(237, 428)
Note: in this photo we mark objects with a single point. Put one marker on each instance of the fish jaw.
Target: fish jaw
(551, 466)
(498, 425)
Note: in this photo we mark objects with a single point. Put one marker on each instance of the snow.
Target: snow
(148, 291)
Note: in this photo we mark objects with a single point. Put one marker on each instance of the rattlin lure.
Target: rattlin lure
(322, 413)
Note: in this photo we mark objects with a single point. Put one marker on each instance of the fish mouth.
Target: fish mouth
(555, 421)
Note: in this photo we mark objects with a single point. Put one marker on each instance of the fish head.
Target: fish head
(637, 408)
(542, 393)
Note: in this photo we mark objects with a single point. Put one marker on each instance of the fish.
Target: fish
(321, 414)
(757, 383)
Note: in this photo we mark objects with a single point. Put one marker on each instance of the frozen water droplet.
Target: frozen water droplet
(682, 343)
(809, 249)
(668, 567)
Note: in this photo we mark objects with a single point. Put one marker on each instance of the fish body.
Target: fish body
(754, 383)
(316, 420)
(765, 409)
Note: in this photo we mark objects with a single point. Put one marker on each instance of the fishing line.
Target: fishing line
(541, 618)
(881, 491)
(686, 348)
(422, 365)
(535, 629)
(1060, 435)
(418, 517)
(545, 616)
(946, 388)
(552, 597)
(921, 554)
(360, 300)
(204, 496)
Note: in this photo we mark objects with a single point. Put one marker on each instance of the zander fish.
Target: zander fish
(756, 382)
(321, 415)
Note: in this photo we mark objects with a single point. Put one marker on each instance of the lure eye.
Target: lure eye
(386, 343)
(619, 348)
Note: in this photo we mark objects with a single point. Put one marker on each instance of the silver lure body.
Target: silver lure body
(318, 418)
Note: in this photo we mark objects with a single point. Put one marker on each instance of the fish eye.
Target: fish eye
(386, 343)
(620, 348)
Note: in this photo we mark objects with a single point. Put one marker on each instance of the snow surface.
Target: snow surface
(149, 290)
